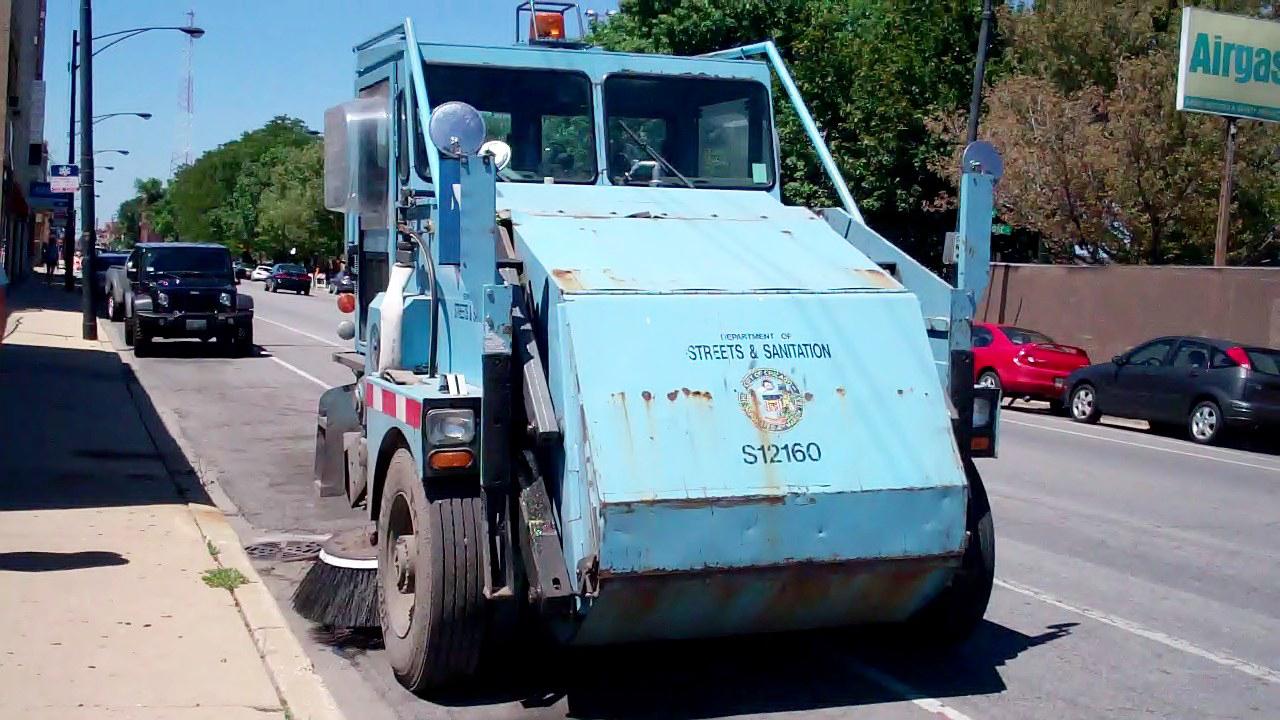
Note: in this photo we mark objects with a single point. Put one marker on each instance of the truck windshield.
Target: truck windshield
(544, 115)
(187, 260)
(688, 132)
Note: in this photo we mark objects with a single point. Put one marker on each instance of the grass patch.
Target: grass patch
(225, 578)
(213, 549)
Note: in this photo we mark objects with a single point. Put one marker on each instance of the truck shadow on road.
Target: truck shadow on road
(763, 674)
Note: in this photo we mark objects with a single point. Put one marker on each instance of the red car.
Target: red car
(1023, 363)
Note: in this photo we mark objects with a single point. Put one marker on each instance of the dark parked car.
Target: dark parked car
(179, 290)
(1202, 384)
(289, 276)
(342, 282)
(241, 269)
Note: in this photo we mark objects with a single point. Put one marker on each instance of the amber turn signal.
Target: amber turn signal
(450, 459)
(980, 443)
(346, 302)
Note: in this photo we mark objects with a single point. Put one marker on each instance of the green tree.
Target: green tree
(216, 198)
(291, 212)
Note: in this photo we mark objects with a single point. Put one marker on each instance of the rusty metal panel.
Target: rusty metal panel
(796, 596)
(663, 240)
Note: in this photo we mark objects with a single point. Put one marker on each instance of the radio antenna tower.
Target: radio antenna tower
(186, 105)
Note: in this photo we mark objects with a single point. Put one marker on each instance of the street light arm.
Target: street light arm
(192, 31)
(122, 35)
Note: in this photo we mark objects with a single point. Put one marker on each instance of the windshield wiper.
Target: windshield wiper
(655, 154)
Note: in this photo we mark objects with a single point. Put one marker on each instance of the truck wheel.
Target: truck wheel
(953, 615)
(114, 312)
(129, 338)
(430, 579)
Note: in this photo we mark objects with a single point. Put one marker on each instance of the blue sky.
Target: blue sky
(258, 59)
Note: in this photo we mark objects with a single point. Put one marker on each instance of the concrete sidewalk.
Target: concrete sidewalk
(104, 541)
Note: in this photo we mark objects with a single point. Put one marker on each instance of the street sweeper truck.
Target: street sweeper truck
(606, 379)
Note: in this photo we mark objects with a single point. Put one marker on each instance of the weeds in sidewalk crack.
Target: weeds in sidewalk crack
(213, 549)
(225, 578)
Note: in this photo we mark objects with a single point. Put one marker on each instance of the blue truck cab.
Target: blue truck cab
(602, 369)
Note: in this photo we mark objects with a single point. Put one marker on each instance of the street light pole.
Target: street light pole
(69, 232)
(979, 70)
(87, 204)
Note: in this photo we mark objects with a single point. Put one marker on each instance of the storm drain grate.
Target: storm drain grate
(284, 551)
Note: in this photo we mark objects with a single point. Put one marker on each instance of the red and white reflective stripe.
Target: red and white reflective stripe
(389, 402)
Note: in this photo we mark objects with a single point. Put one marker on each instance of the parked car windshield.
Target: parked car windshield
(712, 133)
(291, 268)
(1018, 336)
(544, 115)
(192, 260)
(1264, 360)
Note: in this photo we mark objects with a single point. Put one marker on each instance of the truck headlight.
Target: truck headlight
(450, 427)
(225, 299)
(162, 298)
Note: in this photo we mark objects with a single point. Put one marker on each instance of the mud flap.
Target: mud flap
(335, 417)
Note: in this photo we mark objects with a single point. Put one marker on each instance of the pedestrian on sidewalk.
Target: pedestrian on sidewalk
(50, 260)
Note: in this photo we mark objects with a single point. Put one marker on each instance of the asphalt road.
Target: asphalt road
(1137, 574)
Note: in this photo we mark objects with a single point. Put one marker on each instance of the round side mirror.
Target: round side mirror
(346, 329)
(500, 151)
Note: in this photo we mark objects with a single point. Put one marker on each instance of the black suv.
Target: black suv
(180, 290)
(1199, 383)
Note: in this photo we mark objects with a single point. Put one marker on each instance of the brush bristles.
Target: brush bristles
(338, 597)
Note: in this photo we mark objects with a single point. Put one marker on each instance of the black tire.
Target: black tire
(432, 634)
(307, 291)
(141, 343)
(952, 616)
(989, 378)
(1084, 404)
(243, 344)
(1205, 423)
(115, 313)
(129, 338)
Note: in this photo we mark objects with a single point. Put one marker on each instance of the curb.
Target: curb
(296, 681)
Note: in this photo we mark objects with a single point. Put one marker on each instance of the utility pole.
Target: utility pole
(979, 70)
(1224, 196)
(87, 210)
(69, 232)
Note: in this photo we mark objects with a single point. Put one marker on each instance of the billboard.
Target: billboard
(1229, 65)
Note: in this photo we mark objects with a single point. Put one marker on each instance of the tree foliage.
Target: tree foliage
(1100, 165)
(261, 194)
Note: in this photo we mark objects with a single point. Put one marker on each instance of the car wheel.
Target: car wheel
(141, 343)
(1084, 404)
(988, 379)
(1204, 424)
(129, 338)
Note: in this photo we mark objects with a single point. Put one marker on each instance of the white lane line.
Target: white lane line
(1243, 666)
(928, 704)
(301, 372)
(317, 338)
(1157, 448)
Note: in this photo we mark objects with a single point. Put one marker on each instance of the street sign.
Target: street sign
(1229, 65)
(64, 178)
(41, 197)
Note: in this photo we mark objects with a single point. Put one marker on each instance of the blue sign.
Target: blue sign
(41, 197)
